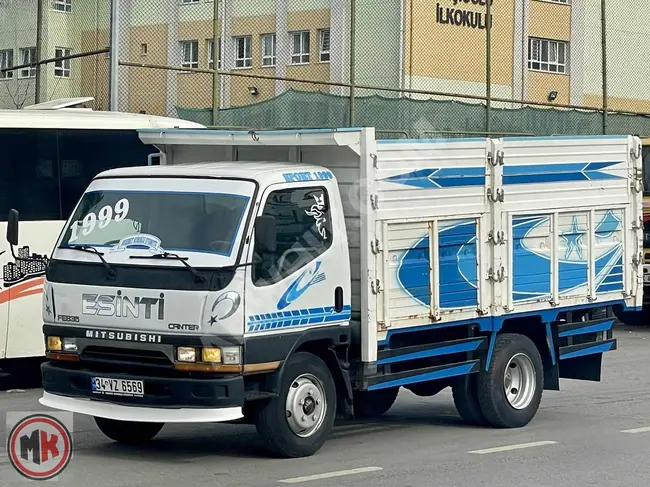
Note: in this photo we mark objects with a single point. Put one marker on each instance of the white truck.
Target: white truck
(289, 277)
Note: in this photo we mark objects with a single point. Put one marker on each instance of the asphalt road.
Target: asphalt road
(581, 436)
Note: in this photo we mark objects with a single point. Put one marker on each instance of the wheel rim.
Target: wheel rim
(306, 405)
(519, 381)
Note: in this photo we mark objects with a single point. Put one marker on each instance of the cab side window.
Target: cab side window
(303, 232)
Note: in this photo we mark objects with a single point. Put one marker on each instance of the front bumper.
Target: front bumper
(165, 399)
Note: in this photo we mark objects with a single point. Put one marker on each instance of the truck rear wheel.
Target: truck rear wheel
(372, 404)
(299, 420)
(511, 390)
(465, 394)
(127, 432)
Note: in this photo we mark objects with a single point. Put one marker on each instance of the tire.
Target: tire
(518, 356)
(465, 394)
(127, 432)
(305, 378)
(373, 404)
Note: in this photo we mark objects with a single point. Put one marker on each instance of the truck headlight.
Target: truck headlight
(231, 355)
(186, 354)
(212, 355)
(69, 344)
(54, 344)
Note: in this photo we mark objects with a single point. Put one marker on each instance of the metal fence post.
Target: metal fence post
(216, 92)
(353, 43)
(113, 90)
(603, 20)
(488, 67)
(39, 50)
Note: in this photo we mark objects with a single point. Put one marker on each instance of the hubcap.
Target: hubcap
(306, 405)
(519, 381)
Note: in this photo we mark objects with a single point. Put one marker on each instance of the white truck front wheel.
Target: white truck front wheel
(299, 420)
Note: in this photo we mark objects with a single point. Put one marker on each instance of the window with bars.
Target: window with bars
(300, 47)
(190, 54)
(243, 56)
(6, 61)
(62, 5)
(547, 55)
(211, 53)
(324, 45)
(268, 50)
(62, 67)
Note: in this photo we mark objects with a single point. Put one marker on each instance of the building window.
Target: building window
(62, 66)
(185, 2)
(62, 5)
(211, 53)
(547, 55)
(243, 56)
(565, 2)
(324, 45)
(190, 53)
(6, 61)
(300, 47)
(28, 56)
(268, 50)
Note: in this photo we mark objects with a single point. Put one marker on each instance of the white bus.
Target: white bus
(48, 155)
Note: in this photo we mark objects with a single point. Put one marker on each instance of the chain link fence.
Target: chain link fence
(53, 49)
(416, 68)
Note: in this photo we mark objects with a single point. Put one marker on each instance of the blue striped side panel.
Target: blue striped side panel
(298, 317)
(604, 326)
(600, 348)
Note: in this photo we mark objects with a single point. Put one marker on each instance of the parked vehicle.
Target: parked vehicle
(50, 152)
(282, 277)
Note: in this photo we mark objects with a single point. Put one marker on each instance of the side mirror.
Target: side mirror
(265, 234)
(12, 227)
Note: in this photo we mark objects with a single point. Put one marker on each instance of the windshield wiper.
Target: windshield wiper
(166, 255)
(93, 250)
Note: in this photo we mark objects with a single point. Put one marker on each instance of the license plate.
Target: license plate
(117, 387)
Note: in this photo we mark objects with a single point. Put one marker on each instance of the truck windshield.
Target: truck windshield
(157, 221)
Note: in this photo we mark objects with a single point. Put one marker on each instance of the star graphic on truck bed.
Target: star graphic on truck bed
(573, 240)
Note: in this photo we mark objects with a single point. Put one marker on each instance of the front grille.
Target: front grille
(125, 355)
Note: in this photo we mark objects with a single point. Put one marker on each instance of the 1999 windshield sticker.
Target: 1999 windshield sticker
(103, 217)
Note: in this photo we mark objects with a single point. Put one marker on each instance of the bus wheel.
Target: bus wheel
(128, 432)
(511, 390)
(299, 420)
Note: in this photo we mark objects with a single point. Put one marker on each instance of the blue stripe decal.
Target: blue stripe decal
(606, 326)
(438, 374)
(605, 347)
(452, 177)
(295, 318)
(434, 352)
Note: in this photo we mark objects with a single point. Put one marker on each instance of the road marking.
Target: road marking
(645, 429)
(518, 446)
(328, 475)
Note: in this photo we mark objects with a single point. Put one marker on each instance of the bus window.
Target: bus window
(85, 153)
(44, 172)
(30, 181)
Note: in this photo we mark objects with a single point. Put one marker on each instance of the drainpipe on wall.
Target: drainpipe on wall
(215, 63)
(39, 50)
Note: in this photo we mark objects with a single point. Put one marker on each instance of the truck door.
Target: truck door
(305, 282)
